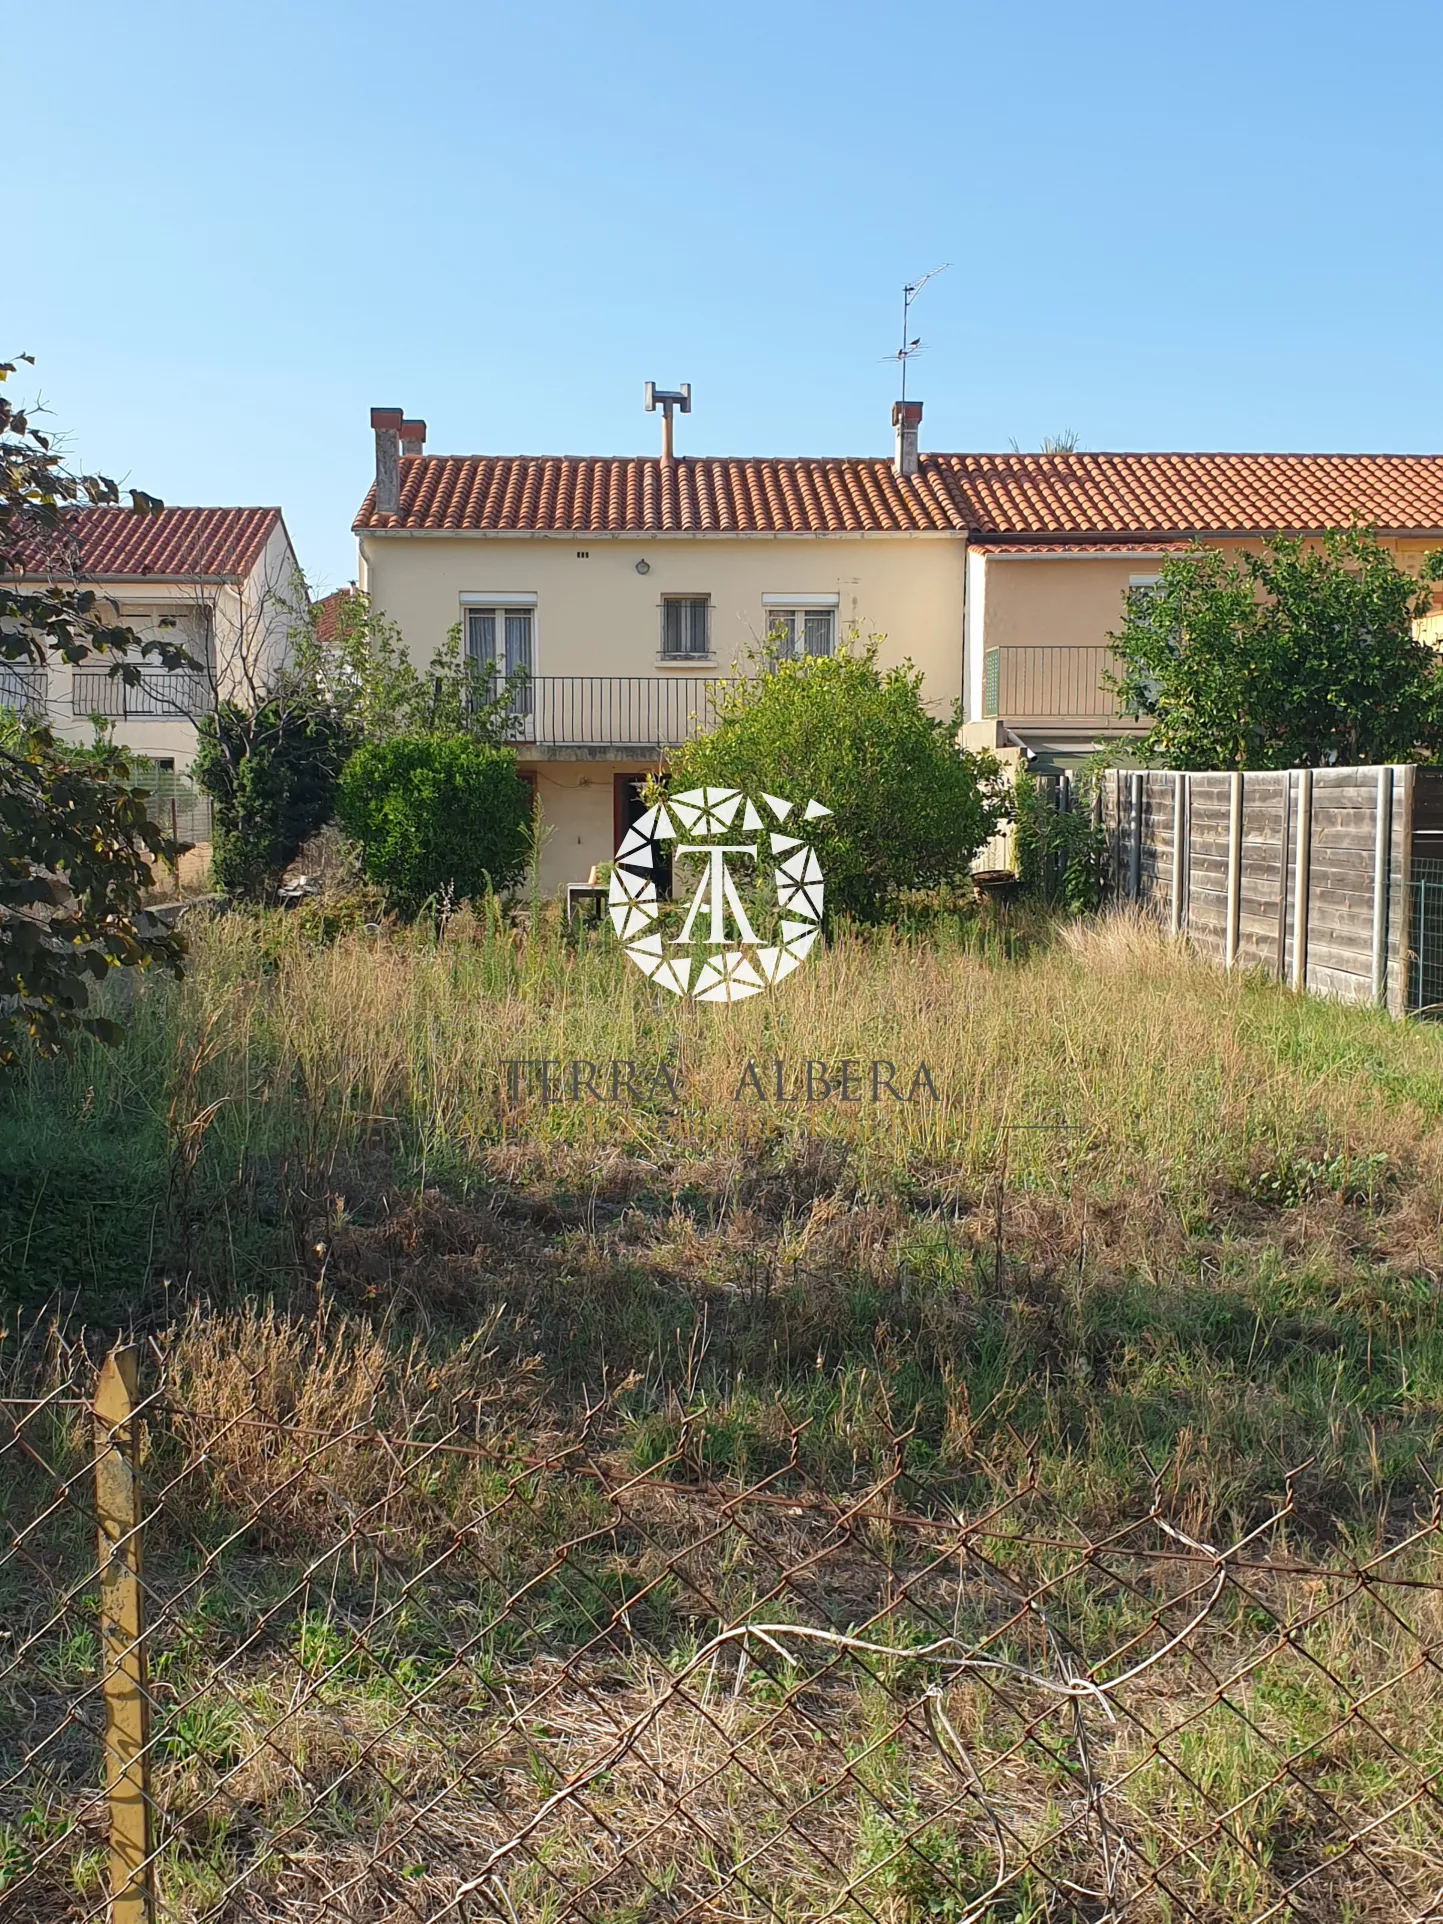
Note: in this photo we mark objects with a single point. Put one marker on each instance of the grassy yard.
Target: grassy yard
(1163, 1242)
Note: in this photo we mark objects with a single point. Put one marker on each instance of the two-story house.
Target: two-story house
(1054, 543)
(626, 587)
(223, 583)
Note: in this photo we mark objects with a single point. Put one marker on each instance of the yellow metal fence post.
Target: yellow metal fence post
(122, 1629)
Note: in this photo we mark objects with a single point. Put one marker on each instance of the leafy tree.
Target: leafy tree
(909, 808)
(272, 770)
(76, 846)
(1301, 654)
(361, 667)
(271, 773)
(434, 814)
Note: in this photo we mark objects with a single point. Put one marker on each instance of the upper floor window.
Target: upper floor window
(685, 626)
(802, 631)
(499, 645)
(498, 640)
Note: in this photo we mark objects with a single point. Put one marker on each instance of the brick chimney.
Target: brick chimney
(413, 437)
(906, 417)
(388, 422)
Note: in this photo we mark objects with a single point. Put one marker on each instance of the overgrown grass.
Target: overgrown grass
(1152, 1211)
(1158, 1227)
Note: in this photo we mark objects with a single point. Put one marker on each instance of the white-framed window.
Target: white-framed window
(500, 643)
(685, 627)
(802, 631)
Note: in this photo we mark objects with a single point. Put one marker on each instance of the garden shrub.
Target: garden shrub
(1059, 852)
(271, 774)
(436, 813)
(909, 807)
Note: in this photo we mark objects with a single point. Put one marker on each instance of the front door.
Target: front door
(630, 806)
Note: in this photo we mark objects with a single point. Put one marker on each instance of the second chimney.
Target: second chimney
(906, 418)
(413, 437)
(387, 423)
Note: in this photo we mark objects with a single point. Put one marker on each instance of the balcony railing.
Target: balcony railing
(1050, 684)
(23, 690)
(156, 697)
(612, 711)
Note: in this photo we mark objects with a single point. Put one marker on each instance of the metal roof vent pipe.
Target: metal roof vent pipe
(413, 437)
(906, 418)
(666, 399)
(387, 424)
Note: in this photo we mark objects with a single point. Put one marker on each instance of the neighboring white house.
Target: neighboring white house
(224, 583)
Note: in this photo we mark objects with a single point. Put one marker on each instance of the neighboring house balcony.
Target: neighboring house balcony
(25, 691)
(158, 696)
(609, 717)
(1054, 689)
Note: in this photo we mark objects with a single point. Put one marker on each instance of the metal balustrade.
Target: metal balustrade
(612, 711)
(1049, 683)
(158, 696)
(22, 690)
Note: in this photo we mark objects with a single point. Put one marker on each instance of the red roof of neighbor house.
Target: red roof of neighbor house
(1185, 494)
(1088, 497)
(1141, 546)
(175, 544)
(326, 613)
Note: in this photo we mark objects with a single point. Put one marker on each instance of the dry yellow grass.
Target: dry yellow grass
(1227, 1265)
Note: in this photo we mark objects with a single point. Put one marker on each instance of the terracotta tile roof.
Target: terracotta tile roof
(177, 544)
(632, 495)
(1089, 496)
(1140, 545)
(326, 613)
(1185, 494)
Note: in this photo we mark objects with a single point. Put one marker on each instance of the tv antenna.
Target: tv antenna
(910, 292)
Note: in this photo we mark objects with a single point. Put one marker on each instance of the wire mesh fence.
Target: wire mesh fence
(252, 1667)
(1425, 961)
(174, 800)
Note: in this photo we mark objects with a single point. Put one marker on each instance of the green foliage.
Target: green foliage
(1059, 850)
(910, 809)
(360, 668)
(271, 773)
(436, 814)
(76, 844)
(1303, 654)
(76, 847)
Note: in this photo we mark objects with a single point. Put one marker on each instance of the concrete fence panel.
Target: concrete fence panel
(1307, 873)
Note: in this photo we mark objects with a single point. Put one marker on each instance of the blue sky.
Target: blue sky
(1169, 227)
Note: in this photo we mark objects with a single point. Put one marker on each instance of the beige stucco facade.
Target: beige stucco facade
(1037, 628)
(1017, 630)
(596, 610)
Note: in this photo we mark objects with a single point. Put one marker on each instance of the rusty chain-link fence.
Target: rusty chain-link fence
(251, 1669)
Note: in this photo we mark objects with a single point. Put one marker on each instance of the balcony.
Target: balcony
(1056, 685)
(23, 690)
(591, 716)
(157, 696)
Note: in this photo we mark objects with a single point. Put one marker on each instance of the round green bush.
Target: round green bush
(909, 807)
(436, 812)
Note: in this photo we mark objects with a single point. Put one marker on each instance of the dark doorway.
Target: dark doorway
(628, 809)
